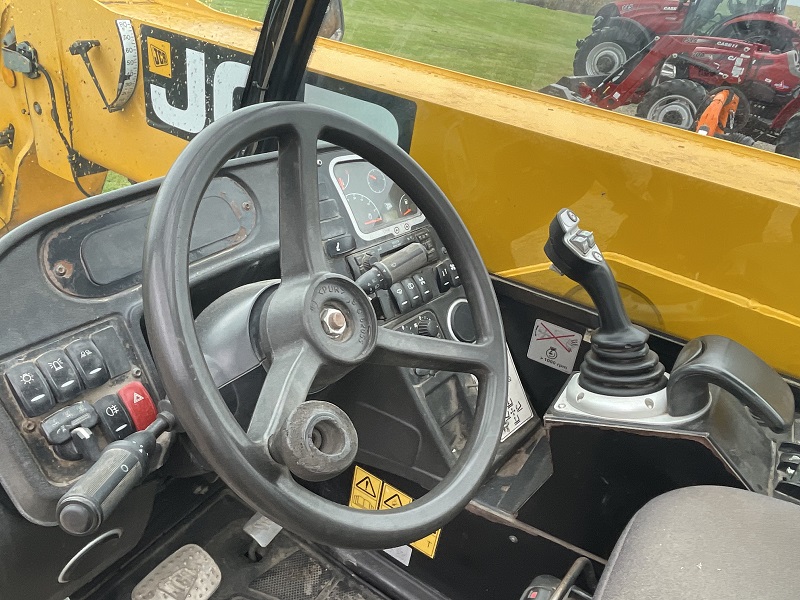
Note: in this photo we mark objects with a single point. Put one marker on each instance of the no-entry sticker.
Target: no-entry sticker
(554, 346)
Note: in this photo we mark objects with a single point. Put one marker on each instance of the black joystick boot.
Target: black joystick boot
(620, 363)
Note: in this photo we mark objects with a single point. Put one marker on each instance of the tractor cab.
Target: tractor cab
(734, 19)
(347, 325)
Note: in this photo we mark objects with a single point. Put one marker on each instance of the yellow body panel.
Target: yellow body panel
(700, 229)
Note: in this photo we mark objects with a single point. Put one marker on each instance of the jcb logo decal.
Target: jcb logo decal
(160, 60)
(189, 83)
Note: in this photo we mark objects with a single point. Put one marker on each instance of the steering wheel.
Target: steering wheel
(256, 464)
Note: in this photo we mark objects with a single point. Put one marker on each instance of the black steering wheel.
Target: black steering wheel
(302, 350)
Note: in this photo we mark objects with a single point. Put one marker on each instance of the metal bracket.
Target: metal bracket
(22, 58)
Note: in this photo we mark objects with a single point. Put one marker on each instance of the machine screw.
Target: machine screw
(247, 206)
(561, 406)
(513, 539)
(136, 372)
(333, 322)
(37, 108)
(319, 162)
(60, 270)
(29, 426)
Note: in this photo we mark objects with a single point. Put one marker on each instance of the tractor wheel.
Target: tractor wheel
(789, 139)
(604, 51)
(673, 102)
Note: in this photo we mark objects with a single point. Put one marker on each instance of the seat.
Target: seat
(706, 543)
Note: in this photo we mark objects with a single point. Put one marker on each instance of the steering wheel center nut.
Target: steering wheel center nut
(340, 320)
(334, 322)
(317, 442)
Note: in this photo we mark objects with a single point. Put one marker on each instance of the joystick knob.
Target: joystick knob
(620, 363)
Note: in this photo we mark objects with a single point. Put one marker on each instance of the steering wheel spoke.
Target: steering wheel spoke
(288, 382)
(298, 183)
(405, 350)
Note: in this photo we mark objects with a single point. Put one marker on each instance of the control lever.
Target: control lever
(121, 466)
(393, 268)
(620, 363)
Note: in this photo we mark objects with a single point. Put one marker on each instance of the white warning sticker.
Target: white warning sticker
(401, 554)
(518, 409)
(554, 346)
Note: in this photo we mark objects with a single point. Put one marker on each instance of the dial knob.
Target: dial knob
(429, 328)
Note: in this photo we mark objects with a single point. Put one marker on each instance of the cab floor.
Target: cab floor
(287, 570)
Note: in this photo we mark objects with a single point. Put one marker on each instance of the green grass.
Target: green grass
(114, 181)
(509, 42)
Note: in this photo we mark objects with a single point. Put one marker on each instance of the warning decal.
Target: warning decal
(518, 409)
(371, 493)
(366, 490)
(554, 346)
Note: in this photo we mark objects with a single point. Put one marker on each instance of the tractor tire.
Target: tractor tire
(789, 138)
(673, 102)
(605, 51)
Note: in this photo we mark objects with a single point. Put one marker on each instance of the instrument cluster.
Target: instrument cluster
(376, 205)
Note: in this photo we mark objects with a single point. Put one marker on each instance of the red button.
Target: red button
(139, 404)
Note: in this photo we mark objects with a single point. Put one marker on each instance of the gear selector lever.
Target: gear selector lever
(620, 363)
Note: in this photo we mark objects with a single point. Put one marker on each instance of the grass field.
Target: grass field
(510, 42)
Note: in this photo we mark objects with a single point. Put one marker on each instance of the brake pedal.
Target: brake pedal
(187, 574)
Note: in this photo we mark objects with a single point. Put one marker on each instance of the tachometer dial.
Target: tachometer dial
(405, 207)
(365, 212)
(376, 181)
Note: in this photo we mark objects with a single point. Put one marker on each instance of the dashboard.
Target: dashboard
(75, 367)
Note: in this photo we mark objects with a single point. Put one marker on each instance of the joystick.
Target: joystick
(620, 363)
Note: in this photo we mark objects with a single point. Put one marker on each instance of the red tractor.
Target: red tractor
(623, 28)
(671, 80)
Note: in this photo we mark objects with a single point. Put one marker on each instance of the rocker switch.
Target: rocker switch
(60, 374)
(114, 418)
(90, 364)
(139, 404)
(30, 388)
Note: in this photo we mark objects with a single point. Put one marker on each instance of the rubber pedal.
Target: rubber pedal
(187, 574)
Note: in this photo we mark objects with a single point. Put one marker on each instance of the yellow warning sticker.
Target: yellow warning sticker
(160, 60)
(391, 497)
(371, 493)
(366, 491)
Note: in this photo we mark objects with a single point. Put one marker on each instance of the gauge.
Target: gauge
(343, 178)
(405, 207)
(365, 212)
(376, 181)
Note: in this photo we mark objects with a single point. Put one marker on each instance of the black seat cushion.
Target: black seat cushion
(707, 543)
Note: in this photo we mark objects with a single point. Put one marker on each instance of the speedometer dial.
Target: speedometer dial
(366, 213)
